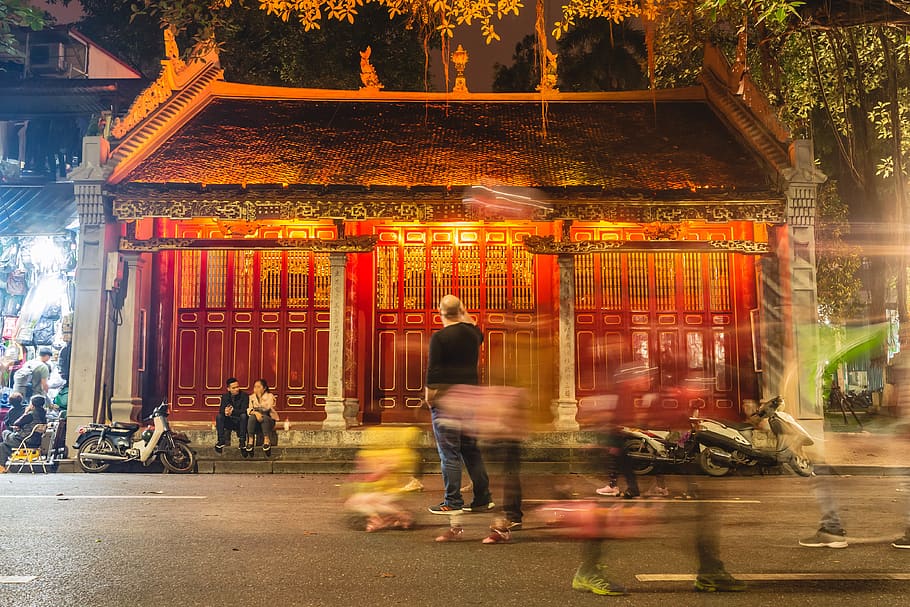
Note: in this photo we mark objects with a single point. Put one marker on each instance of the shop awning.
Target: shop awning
(29, 210)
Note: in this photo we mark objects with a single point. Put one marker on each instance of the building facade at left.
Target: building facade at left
(57, 87)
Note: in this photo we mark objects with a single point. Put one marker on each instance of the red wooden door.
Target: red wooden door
(674, 312)
(250, 314)
(489, 269)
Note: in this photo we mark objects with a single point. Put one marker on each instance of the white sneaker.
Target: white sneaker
(657, 491)
(412, 486)
(609, 490)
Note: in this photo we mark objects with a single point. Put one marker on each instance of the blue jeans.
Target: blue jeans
(454, 450)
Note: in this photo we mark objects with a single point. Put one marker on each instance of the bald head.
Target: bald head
(451, 308)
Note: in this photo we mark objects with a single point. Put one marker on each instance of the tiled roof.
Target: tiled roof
(612, 146)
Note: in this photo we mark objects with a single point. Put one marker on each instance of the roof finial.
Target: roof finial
(171, 50)
(368, 75)
(460, 59)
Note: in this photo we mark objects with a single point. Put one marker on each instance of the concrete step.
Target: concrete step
(301, 450)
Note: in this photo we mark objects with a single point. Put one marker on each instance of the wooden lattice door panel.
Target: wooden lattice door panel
(487, 267)
(674, 312)
(251, 314)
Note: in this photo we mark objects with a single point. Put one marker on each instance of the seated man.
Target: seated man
(16, 410)
(232, 415)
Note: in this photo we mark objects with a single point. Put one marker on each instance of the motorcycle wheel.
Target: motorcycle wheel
(801, 465)
(179, 459)
(95, 445)
(637, 450)
(710, 467)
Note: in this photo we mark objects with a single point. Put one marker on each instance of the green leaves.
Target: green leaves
(17, 13)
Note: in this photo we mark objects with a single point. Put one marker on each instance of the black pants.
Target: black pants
(616, 460)
(509, 451)
(226, 424)
(266, 426)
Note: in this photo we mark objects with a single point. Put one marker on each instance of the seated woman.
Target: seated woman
(262, 416)
(34, 415)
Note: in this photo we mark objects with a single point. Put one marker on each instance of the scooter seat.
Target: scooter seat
(125, 426)
(739, 425)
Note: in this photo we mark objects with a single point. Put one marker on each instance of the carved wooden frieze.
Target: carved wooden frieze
(548, 245)
(348, 244)
(187, 205)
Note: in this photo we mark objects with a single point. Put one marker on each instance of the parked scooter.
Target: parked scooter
(648, 448)
(726, 445)
(100, 445)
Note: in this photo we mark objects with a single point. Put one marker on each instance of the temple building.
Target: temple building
(306, 236)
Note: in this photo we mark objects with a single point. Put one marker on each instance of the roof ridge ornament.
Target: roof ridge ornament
(175, 75)
(368, 75)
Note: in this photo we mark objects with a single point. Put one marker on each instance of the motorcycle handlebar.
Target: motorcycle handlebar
(159, 410)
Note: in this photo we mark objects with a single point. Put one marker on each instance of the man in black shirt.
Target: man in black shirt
(232, 414)
(454, 351)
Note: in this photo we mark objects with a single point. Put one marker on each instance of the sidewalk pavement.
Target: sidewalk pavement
(882, 446)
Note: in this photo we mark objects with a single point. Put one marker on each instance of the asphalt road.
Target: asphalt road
(130, 539)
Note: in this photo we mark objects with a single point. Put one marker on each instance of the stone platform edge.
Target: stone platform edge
(314, 450)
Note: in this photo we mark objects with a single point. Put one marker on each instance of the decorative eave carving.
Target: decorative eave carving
(175, 74)
(348, 244)
(548, 245)
(255, 206)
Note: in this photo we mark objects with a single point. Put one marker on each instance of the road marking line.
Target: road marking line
(778, 577)
(107, 497)
(649, 500)
(17, 579)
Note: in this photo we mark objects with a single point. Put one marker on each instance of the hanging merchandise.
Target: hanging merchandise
(9, 251)
(48, 295)
(12, 305)
(53, 311)
(43, 332)
(17, 282)
(24, 334)
(9, 326)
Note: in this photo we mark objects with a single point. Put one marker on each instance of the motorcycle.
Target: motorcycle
(100, 445)
(648, 448)
(726, 445)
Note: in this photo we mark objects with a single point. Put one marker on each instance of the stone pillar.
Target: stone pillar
(802, 361)
(98, 235)
(334, 400)
(566, 406)
(126, 402)
(351, 401)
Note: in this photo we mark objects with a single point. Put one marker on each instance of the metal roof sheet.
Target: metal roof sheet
(36, 209)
